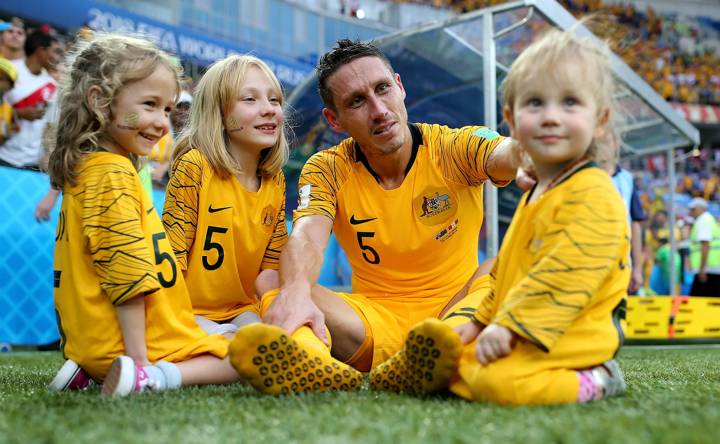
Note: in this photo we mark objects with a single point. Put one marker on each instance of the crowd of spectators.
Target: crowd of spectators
(678, 55)
(31, 67)
(698, 180)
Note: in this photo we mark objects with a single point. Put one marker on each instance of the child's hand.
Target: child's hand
(468, 331)
(494, 342)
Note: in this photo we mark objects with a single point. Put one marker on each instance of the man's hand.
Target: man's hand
(469, 331)
(30, 112)
(291, 312)
(702, 276)
(525, 178)
(494, 342)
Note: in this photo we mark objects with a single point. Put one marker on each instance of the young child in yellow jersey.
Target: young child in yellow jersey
(549, 328)
(123, 308)
(225, 205)
(225, 216)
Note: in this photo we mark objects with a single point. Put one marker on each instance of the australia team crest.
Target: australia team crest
(435, 205)
(267, 218)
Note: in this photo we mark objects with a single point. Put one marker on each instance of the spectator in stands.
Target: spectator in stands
(33, 90)
(12, 40)
(662, 261)
(8, 74)
(162, 152)
(704, 250)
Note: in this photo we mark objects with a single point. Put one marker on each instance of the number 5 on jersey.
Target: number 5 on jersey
(160, 257)
(213, 245)
(370, 255)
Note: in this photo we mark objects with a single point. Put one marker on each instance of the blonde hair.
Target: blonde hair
(552, 50)
(214, 98)
(109, 62)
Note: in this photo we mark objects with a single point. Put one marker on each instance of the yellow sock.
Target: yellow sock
(426, 363)
(306, 337)
(275, 363)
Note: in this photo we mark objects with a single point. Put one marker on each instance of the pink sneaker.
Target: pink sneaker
(124, 378)
(71, 377)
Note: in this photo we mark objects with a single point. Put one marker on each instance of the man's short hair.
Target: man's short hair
(344, 52)
(38, 39)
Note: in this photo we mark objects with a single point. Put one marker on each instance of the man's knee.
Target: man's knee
(345, 324)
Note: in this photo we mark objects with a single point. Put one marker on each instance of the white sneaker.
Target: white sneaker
(124, 378)
(610, 377)
(71, 377)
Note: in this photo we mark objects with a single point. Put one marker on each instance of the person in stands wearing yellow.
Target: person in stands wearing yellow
(124, 311)
(225, 206)
(549, 328)
(8, 75)
(405, 201)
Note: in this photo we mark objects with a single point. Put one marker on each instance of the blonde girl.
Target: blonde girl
(124, 310)
(225, 205)
(549, 328)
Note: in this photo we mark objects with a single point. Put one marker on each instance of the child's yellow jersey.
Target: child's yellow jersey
(110, 247)
(223, 235)
(562, 271)
(420, 239)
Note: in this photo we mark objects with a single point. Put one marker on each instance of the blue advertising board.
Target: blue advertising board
(186, 44)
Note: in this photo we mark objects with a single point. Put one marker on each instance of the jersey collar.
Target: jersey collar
(416, 142)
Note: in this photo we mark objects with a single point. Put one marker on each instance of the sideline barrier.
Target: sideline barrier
(672, 317)
(27, 312)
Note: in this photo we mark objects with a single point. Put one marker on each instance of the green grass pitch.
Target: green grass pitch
(673, 397)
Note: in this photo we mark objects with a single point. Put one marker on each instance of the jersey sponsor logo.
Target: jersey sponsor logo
(215, 210)
(435, 206)
(354, 221)
(447, 232)
(486, 133)
(267, 219)
(304, 196)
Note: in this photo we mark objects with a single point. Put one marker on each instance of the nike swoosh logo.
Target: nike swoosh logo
(354, 221)
(215, 210)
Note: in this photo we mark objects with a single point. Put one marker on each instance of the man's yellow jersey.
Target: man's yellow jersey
(110, 247)
(420, 239)
(223, 235)
(561, 277)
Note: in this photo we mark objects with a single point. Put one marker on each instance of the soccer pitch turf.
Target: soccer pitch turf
(673, 397)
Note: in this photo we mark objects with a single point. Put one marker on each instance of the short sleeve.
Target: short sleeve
(182, 197)
(319, 182)
(463, 153)
(271, 258)
(112, 224)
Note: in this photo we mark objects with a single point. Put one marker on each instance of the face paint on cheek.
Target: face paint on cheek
(232, 125)
(131, 121)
